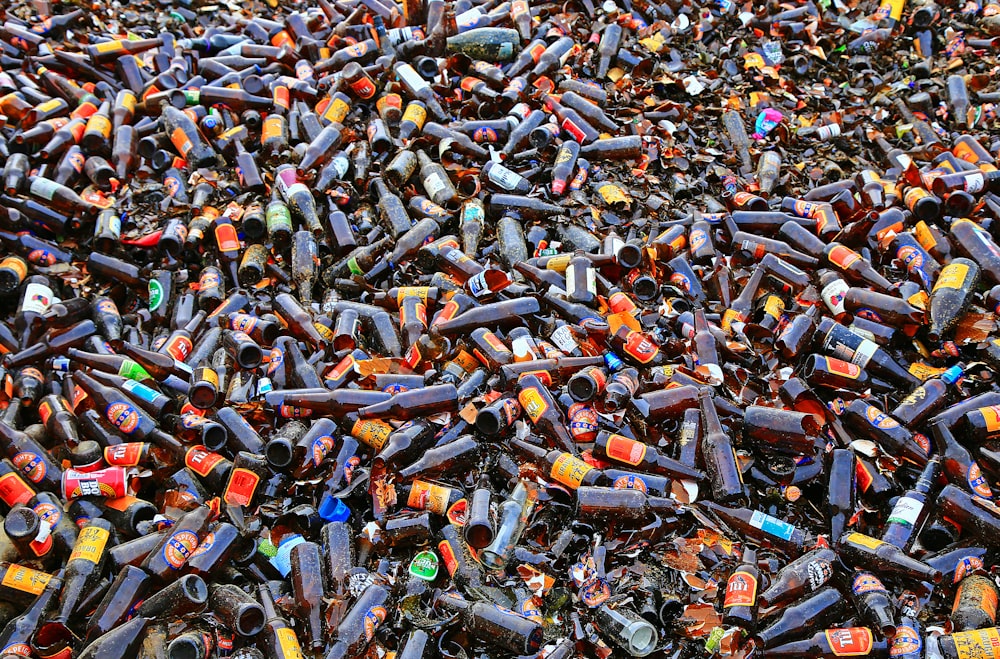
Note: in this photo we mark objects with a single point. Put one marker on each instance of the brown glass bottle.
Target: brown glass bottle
(739, 607)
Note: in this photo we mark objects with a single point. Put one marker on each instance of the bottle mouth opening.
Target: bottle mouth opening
(641, 638)
(251, 621)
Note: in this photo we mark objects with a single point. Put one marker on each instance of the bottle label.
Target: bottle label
(90, 544)
(978, 644)
(850, 641)
(448, 556)
(44, 188)
(123, 416)
(409, 77)
(120, 503)
(569, 470)
(428, 496)
(31, 465)
(833, 296)
(953, 276)
(842, 257)
(25, 579)
(341, 369)
(533, 403)
(772, 525)
(503, 177)
(564, 340)
(640, 347)
(906, 511)
(124, 455)
(842, 368)
(273, 128)
(201, 461)
(226, 238)
(181, 141)
(977, 482)
(866, 582)
(241, 488)
(434, 184)
(48, 513)
(819, 572)
(416, 114)
(991, 417)
(179, 548)
(372, 433)
(133, 371)
(37, 298)
(321, 446)
(13, 490)
(864, 540)
(974, 182)
(204, 546)
(741, 590)
(880, 419)
(363, 86)
(625, 450)
(17, 265)
(906, 643)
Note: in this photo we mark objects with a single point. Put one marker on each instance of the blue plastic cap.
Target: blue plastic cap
(953, 374)
(333, 510)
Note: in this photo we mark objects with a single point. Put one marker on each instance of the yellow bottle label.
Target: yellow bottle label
(533, 403)
(372, 433)
(978, 644)
(865, 541)
(428, 496)
(991, 417)
(953, 276)
(289, 644)
(108, 46)
(100, 124)
(90, 545)
(25, 579)
(924, 235)
(570, 470)
(416, 114)
(558, 263)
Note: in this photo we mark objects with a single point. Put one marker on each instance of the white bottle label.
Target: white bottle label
(37, 298)
(906, 511)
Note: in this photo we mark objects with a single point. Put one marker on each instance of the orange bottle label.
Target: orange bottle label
(241, 488)
(569, 470)
(741, 590)
(201, 461)
(625, 450)
(843, 257)
(533, 403)
(428, 496)
(850, 641)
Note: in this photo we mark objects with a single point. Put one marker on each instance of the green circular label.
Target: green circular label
(425, 566)
(155, 294)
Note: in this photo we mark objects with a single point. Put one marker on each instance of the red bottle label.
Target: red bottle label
(741, 590)
(850, 641)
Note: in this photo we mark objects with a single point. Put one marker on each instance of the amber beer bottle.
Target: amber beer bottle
(279, 637)
(16, 637)
(545, 413)
(493, 624)
(83, 568)
(805, 574)
(174, 549)
(356, 629)
(618, 448)
(845, 344)
(957, 463)
(720, 458)
(739, 607)
(822, 608)
(951, 295)
(832, 643)
(975, 604)
(865, 551)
